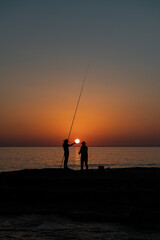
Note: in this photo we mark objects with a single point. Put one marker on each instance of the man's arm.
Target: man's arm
(71, 144)
(80, 150)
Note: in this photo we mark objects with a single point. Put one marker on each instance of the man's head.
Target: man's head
(83, 143)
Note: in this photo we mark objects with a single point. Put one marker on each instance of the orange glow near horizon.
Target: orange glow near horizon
(42, 116)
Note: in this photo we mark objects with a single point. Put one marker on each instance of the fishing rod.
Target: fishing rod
(84, 79)
(78, 103)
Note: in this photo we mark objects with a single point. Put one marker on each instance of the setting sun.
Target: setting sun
(77, 141)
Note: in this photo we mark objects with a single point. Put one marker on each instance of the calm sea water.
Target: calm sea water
(113, 157)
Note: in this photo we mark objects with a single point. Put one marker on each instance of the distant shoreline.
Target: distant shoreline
(106, 169)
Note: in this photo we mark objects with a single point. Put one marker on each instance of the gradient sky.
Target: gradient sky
(45, 47)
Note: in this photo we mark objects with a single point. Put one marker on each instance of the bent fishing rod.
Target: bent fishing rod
(84, 79)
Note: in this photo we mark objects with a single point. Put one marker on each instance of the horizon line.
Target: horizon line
(88, 146)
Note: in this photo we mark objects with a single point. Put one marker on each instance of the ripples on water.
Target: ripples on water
(22, 158)
(35, 227)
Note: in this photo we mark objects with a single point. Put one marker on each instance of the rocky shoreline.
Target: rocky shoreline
(129, 195)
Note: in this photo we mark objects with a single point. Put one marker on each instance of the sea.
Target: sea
(54, 227)
(18, 158)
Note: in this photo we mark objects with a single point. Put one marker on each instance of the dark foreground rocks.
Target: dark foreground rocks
(115, 195)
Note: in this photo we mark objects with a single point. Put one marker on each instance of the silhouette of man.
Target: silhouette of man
(84, 155)
(66, 151)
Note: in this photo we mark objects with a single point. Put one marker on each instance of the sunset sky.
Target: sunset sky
(45, 47)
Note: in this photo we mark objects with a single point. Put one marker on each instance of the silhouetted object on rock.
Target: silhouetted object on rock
(101, 168)
(66, 151)
(84, 155)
